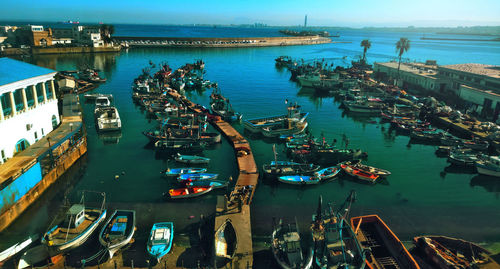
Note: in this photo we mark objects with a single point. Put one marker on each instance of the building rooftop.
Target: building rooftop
(416, 68)
(13, 70)
(478, 69)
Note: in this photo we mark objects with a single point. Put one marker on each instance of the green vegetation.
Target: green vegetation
(402, 46)
(366, 44)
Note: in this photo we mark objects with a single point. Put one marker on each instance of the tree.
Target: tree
(402, 46)
(106, 31)
(366, 44)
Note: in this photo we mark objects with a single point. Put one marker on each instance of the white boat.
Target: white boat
(363, 106)
(101, 101)
(288, 128)
(108, 119)
(489, 165)
(75, 228)
(16, 248)
(118, 231)
(313, 80)
(294, 118)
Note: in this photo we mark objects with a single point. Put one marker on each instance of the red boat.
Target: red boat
(188, 192)
(361, 174)
(386, 250)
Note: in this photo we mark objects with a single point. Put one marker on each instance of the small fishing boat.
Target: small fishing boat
(160, 240)
(463, 159)
(336, 244)
(385, 247)
(489, 166)
(187, 170)
(197, 176)
(327, 173)
(16, 248)
(118, 231)
(188, 192)
(293, 122)
(90, 75)
(192, 159)
(284, 168)
(287, 137)
(361, 174)
(215, 184)
(286, 247)
(426, 136)
(374, 170)
(220, 106)
(75, 227)
(446, 252)
(94, 96)
(226, 241)
(174, 145)
(107, 119)
(102, 101)
(299, 180)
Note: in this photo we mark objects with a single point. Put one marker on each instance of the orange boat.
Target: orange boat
(188, 192)
(386, 250)
(359, 173)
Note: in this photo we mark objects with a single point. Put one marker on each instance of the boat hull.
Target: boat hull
(113, 247)
(483, 170)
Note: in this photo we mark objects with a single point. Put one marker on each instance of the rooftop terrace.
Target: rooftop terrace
(478, 69)
(12, 71)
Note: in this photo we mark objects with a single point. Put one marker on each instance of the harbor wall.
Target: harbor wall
(69, 50)
(64, 162)
(14, 189)
(223, 42)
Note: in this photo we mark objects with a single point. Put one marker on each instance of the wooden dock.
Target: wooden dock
(236, 207)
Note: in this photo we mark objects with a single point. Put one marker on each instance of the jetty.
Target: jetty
(209, 42)
(236, 207)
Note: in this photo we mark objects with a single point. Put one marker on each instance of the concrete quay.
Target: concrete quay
(229, 42)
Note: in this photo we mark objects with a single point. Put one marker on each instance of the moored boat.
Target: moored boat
(75, 227)
(118, 231)
(283, 168)
(197, 176)
(214, 183)
(192, 159)
(292, 123)
(286, 247)
(463, 159)
(108, 119)
(160, 240)
(299, 180)
(386, 250)
(359, 173)
(186, 170)
(327, 173)
(446, 252)
(226, 241)
(16, 248)
(374, 170)
(489, 166)
(188, 192)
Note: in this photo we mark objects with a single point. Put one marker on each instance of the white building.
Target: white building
(89, 35)
(411, 75)
(28, 105)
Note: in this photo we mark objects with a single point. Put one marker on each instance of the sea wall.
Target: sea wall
(223, 42)
(64, 163)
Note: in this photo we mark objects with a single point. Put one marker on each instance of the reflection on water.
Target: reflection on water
(491, 184)
(110, 137)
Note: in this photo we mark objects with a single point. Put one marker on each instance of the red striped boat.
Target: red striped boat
(359, 173)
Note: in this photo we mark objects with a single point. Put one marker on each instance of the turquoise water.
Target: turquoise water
(421, 196)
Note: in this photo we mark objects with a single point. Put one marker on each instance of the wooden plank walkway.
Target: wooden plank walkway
(237, 206)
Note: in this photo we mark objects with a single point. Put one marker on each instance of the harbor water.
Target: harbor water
(424, 195)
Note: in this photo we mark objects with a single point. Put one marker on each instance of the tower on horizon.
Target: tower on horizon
(305, 21)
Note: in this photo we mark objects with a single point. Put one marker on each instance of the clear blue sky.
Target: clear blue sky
(353, 13)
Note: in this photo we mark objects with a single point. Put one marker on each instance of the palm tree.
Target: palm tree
(366, 44)
(106, 31)
(401, 46)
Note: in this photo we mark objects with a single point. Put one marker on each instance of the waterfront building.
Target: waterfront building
(477, 84)
(416, 76)
(28, 106)
(88, 35)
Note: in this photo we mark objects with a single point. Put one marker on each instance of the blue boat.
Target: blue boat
(186, 170)
(215, 184)
(197, 177)
(192, 159)
(288, 137)
(160, 240)
(327, 173)
(299, 180)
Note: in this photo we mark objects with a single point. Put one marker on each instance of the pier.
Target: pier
(209, 42)
(236, 207)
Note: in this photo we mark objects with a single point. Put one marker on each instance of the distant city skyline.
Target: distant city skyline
(361, 13)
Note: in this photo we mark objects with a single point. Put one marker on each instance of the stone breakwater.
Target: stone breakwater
(227, 42)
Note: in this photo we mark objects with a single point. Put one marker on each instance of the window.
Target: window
(47, 90)
(6, 106)
(39, 92)
(43, 132)
(36, 136)
(30, 97)
(22, 145)
(18, 99)
(3, 156)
